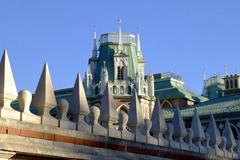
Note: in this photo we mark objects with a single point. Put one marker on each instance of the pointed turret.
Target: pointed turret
(80, 107)
(179, 126)
(95, 50)
(108, 114)
(213, 132)
(227, 132)
(198, 133)
(44, 98)
(88, 82)
(8, 90)
(139, 49)
(119, 34)
(159, 125)
(135, 114)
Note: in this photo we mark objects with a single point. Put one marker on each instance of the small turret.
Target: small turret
(93, 60)
(88, 82)
(104, 76)
(150, 82)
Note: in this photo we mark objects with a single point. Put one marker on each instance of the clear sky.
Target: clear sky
(183, 36)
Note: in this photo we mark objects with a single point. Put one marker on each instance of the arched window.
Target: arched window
(236, 83)
(166, 104)
(129, 90)
(144, 90)
(114, 90)
(227, 84)
(120, 75)
(231, 83)
(96, 90)
(122, 90)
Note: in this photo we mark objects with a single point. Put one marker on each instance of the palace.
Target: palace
(119, 112)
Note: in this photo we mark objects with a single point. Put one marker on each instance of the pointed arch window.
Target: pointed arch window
(231, 83)
(227, 84)
(120, 75)
(236, 83)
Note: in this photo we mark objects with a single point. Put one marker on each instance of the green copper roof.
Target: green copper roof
(106, 53)
(170, 88)
(222, 105)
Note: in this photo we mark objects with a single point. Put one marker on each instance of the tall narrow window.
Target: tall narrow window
(120, 75)
(231, 83)
(236, 83)
(227, 84)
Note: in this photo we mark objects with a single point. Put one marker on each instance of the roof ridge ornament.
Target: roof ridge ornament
(119, 34)
(95, 50)
(139, 49)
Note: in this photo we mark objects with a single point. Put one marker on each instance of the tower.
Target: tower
(93, 60)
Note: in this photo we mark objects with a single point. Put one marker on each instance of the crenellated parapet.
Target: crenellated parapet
(80, 131)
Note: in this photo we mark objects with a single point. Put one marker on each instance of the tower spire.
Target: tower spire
(119, 34)
(95, 50)
(139, 49)
(226, 69)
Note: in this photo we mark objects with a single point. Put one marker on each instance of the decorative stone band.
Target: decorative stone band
(111, 143)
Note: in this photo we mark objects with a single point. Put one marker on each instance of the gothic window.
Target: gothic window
(120, 75)
(231, 83)
(96, 91)
(236, 83)
(129, 90)
(114, 90)
(227, 84)
(122, 90)
(144, 90)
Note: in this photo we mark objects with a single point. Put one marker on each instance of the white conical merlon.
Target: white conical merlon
(227, 132)
(180, 130)
(158, 120)
(159, 126)
(135, 120)
(213, 132)
(108, 110)
(44, 97)
(8, 90)
(80, 104)
(198, 133)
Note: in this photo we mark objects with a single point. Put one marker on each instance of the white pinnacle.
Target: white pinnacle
(44, 96)
(8, 88)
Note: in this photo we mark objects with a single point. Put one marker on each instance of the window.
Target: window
(96, 91)
(231, 83)
(227, 84)
(120, 75)
(122, 90)
(129, 90)
(236, 83)
(114, 90)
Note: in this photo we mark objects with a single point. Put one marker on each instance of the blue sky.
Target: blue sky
(183, 36)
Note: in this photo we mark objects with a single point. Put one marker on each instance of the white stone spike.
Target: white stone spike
(44, 98)
(108, 114)
(179, 126)
(159, 125)
(135, 120)
(213, 132)
(158, 120)
(227, 132)
(198, 133)
(8, 90)
(79, 102)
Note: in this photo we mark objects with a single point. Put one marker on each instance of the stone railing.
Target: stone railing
(99, 132)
